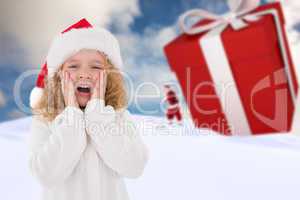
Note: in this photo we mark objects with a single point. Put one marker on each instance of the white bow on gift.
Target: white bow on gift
(239, 10)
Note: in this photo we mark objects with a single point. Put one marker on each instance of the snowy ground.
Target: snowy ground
(185, 163)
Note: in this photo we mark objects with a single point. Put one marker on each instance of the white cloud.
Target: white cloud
(291, 12)
(34, 23)
(2, 99)
(144, 57)
(157, 39)
(145, 51)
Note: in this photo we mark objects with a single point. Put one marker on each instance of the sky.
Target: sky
(142, 28)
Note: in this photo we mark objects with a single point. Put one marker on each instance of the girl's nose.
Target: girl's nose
(84, 75)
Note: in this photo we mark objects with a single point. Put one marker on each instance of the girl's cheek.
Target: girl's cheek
(95, 78)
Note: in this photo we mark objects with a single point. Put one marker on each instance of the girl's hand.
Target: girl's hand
(100, 85)
(68, 90)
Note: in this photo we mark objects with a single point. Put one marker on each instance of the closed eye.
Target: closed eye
(95, 67)
(72, 66)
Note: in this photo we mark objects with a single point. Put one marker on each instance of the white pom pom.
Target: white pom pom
(35, 95)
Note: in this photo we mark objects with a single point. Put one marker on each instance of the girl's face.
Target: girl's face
(83, 68)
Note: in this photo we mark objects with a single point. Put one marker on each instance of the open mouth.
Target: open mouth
(84, 89)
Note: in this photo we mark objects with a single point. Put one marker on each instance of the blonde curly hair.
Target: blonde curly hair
(52, 102)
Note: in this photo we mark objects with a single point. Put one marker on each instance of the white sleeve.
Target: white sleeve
(116, 138)
(54, 153)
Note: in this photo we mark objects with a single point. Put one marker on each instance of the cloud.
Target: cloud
(144, 57)
(2, 99)
(291, 12)
(144, 52)
(34, 23)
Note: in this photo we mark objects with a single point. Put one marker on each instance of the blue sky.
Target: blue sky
(142, 27)
(164, 13)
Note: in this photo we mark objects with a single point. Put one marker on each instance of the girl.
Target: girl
(83, 140)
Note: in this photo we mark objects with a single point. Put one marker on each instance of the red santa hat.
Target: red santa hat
(78, 36)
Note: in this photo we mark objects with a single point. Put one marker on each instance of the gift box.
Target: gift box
(236, 71)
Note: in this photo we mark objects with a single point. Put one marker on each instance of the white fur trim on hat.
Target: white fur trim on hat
(68, 43)
(35, 96)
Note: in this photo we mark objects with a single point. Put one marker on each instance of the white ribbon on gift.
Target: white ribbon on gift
(217, 60)
(239, 10)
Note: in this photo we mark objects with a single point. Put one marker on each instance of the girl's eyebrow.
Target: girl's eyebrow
(97, 62)
(71, 61)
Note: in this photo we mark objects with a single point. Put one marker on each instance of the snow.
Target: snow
(185, 163)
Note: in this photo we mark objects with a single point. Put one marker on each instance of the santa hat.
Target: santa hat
(78, 36)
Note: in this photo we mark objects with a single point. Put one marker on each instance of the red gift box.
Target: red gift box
(241, 82)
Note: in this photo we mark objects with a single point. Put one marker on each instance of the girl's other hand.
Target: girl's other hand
(100, 85)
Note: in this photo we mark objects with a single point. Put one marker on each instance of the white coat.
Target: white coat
(85, 155)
